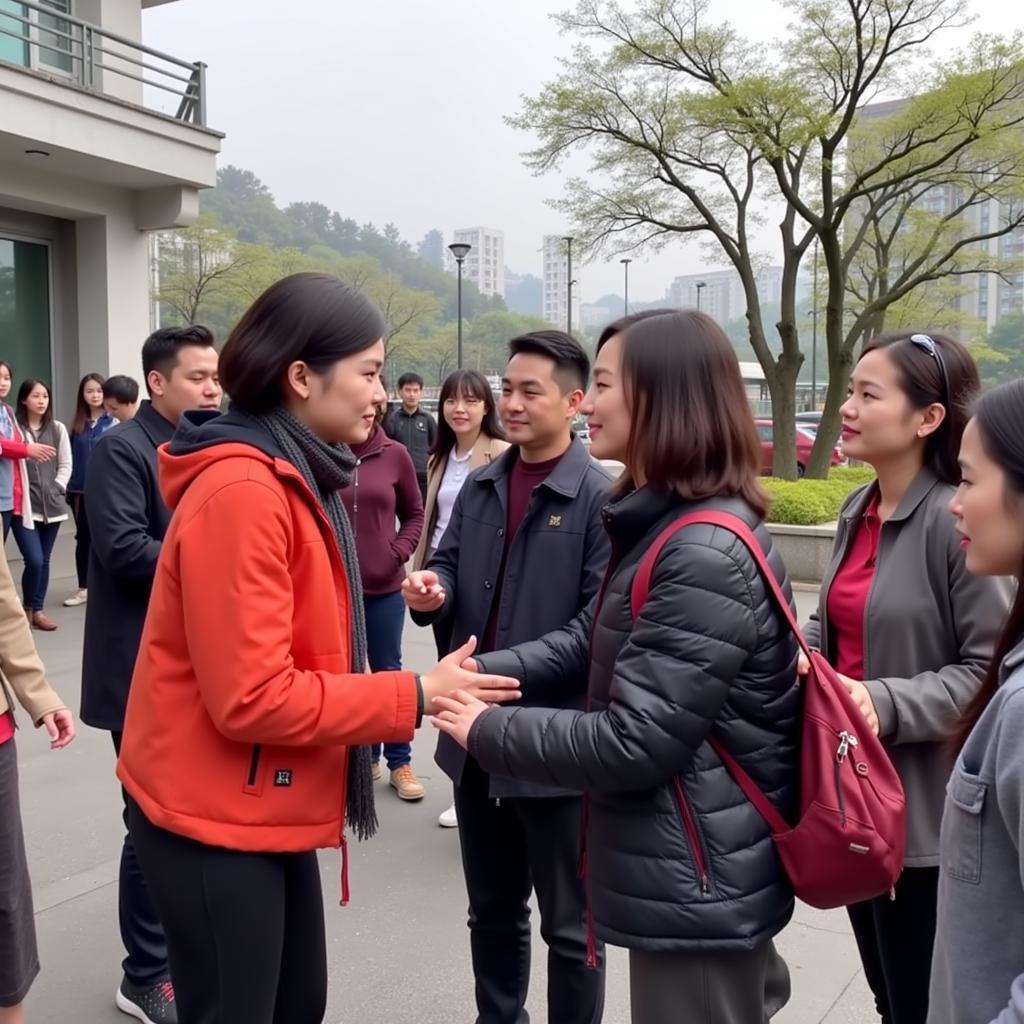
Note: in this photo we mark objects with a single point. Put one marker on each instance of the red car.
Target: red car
(804, 444)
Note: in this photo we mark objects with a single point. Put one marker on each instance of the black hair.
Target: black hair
(26, 389)
(999, 416)
(465, 384)
(121, 388)
(618, 326)
(409, 378)
(949, 378)
(572, 364)
(83, 413)
(310, 317)
(161, 348)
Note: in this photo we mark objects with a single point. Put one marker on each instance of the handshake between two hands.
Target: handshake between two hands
(455, 692)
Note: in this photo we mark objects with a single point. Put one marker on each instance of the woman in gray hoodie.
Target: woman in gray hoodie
(978, 968)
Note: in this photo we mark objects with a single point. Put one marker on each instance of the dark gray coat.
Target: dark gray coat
(930, 628)
(709, 652)
(128, 520)
(554, 568)
(417, 431)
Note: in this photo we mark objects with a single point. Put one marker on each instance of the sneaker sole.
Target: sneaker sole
(448, 824)
(125, 1005)
(404, 796)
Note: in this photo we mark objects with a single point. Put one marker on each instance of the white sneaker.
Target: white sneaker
(77, 598)
(449, 819)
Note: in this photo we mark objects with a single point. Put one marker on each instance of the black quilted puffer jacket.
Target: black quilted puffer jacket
(677, 858)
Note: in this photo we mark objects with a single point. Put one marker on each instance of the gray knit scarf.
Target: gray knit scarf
(327, 468)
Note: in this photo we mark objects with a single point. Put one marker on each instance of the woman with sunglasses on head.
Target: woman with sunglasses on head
(979, 943)
(469, 436)
(907, 627)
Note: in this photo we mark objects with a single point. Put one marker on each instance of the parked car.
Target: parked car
(804, 444)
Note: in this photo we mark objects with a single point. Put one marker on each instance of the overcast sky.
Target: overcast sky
(393, 110)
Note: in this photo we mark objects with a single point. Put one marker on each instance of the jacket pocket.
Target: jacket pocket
(692, 837)
(254, 773)
(962, 856)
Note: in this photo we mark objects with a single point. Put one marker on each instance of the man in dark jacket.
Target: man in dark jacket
(128, 520)
(411, 426)
(524, 552)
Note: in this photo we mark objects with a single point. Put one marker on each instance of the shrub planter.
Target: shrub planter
(806, 550)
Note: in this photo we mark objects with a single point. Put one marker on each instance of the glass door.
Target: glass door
(25, 331)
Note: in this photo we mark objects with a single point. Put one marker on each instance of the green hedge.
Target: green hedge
(810, 502)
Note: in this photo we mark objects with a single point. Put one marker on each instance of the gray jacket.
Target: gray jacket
(978, 967)
(48, 481)
(929, 631)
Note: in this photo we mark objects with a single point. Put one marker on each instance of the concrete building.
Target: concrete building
(485, 264)
(720, 293)
(91, 161)
(556, 284)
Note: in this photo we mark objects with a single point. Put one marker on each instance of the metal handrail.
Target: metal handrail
(81, 46)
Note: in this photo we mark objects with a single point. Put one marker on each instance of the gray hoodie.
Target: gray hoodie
(929, 631)
(978, 967)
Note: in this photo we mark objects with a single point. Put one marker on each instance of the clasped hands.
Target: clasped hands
(857, 690)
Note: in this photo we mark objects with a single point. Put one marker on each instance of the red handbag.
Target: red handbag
(849, 841)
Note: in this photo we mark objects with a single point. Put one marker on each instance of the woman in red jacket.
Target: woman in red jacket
(384, 492)
(13, 451)
(246, 737)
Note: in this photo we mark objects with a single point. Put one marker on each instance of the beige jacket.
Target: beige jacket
(21, 669)
(484, 451)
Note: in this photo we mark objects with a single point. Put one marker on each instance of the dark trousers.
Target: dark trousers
(707, 988)
(508, 848)
(8, 518)
(245, 930)
(141, 931)
(895, 939)
(83, 538)
(385, 617)
(36, 547)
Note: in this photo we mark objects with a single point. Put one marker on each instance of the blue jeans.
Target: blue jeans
(385, 617)
(35, 546)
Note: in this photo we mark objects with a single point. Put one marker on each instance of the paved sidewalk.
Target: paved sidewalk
(398, 953)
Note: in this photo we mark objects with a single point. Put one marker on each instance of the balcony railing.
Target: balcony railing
(43, 37)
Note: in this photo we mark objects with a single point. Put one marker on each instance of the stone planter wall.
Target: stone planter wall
(806, 550)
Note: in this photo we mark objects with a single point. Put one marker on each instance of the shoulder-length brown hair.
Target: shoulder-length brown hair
(693, 430)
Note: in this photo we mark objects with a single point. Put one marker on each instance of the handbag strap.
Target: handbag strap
(638, 597)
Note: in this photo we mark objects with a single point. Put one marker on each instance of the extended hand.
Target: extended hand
(456, 714)
(423, 591)
(859, 692)
(450, 675)
(41, 452)
(60, 726)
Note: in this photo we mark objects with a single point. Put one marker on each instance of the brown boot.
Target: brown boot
(40, 620)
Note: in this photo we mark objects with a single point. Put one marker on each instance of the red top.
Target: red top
(848, 595)
(522, 479)
(6, 727)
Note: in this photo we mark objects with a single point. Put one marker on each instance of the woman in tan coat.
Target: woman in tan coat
(22, 672)
(469, 436)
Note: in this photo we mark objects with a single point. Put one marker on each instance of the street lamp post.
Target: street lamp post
(460, 250)
(625, 267)
(814, 332)
(701, 285)
(568, 288)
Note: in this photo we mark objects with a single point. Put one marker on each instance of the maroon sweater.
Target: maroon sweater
(384, 489)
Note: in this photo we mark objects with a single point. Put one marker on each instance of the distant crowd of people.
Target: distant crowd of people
(247, 574)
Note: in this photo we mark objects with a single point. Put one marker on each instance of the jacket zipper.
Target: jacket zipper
(692, 837)
(254, 764)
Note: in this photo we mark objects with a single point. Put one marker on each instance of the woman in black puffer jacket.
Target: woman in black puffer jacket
(681, 868)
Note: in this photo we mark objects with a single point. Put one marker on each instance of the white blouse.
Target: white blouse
(455, 472)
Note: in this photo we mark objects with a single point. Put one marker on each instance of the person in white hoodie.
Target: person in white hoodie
(978, 965)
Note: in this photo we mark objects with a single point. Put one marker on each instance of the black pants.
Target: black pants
(141, 931)
(245, 930)
(507, 849)
(895, 939)
(707, 988)
(8, 518)
(83, 538)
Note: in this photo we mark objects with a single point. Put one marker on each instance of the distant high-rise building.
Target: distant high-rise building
(556, 284)
(485, 264)
(720, 294)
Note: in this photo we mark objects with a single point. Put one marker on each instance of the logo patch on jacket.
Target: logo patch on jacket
(283, 777)
(554, 520)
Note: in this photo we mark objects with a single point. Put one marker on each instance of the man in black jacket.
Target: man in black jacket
(412, 426)
(524, 552)
(128, 520)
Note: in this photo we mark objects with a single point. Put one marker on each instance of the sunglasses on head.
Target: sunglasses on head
(928, 346)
